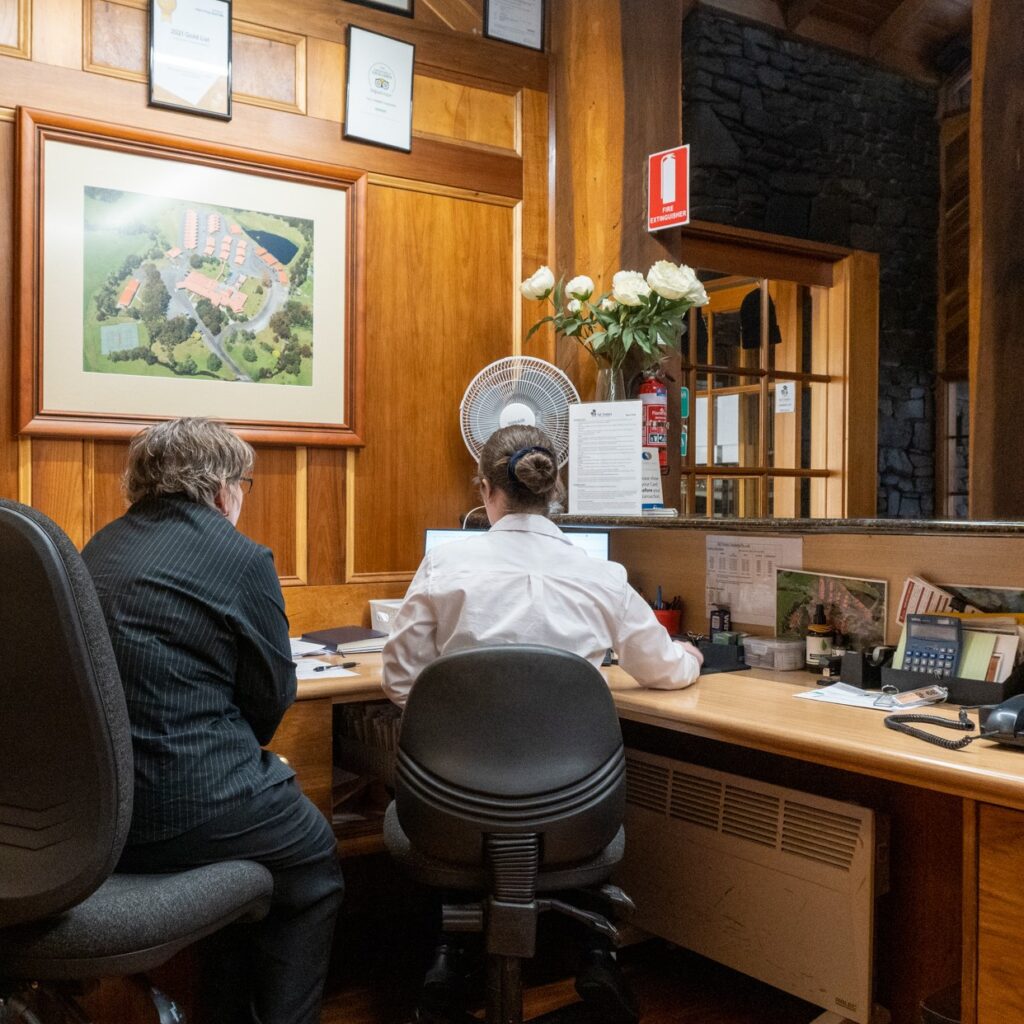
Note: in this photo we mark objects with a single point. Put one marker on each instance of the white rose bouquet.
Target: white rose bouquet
(640, 314)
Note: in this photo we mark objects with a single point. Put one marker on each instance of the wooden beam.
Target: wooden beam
(894, 30)
(795, 11)
(996, 299)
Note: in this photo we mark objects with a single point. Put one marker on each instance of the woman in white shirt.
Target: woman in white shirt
(524, 581)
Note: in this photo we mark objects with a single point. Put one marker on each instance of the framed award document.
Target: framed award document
(404, 7)
(190, 56)
(378, 92)
(515, 21)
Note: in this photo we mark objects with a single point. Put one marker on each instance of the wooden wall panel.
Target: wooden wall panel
(268, 67)
(115, 39)
(675, 559)
(57, 33)
(58, 485)
(15, 27)
(1000, 911)
(8, 447)
(108, 501)
(429, 330)
(469, 114)
(325, 487)
(269, 511)
(325, 79)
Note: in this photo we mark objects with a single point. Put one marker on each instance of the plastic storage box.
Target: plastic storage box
(775, 653)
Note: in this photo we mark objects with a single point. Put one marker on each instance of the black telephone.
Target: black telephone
(1003, 723)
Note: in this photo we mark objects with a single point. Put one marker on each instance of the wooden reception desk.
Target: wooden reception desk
(957, 817)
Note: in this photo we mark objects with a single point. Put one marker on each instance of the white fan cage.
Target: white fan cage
(518, 389)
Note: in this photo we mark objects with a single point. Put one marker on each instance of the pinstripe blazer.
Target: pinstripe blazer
(197, 621)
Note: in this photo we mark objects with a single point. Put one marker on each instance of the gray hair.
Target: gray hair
(191, 456)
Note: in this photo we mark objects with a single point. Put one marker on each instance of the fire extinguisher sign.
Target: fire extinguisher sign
(668, 188)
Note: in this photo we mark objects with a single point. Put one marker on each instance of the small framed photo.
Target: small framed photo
(378, 90)
(190, 56)
(515, 21)
(404, 7)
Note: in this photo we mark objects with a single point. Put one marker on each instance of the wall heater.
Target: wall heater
(773, 882)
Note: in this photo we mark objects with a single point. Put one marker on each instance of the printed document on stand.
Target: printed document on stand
(605, 445)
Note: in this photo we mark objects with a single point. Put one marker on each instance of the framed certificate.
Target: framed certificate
(515, 21)
(190, 56)
(378, 92)
(395, 6)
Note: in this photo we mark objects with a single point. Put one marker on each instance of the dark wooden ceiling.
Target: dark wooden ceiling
(906, 35)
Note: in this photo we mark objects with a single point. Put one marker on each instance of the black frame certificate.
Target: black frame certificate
(403, 7)
(190, 56)
(515, 21)
(378, 90)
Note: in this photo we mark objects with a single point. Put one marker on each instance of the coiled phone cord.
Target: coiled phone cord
(901, 724)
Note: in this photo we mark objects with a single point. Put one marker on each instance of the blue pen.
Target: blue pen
(659, 602)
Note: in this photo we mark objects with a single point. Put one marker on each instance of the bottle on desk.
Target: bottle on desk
(720, 619)
(819, 639)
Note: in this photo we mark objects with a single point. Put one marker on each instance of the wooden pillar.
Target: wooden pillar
(996, 263)
(617, 96)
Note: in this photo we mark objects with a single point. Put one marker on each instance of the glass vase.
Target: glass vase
(610, 385)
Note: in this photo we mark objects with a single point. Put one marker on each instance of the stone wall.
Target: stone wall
(801, 140)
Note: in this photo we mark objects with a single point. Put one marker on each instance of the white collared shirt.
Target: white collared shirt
(524, 581)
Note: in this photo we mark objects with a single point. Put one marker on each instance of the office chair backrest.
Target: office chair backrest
(516, 740)
(65, 746)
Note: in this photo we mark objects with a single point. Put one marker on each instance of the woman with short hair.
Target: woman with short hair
(524, 581)
(198, 626)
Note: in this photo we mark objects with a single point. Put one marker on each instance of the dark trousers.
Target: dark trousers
(281, 962)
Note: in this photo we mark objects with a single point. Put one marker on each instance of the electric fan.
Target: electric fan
(514, 391)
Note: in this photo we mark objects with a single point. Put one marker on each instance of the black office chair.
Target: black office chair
(510, 782)
(66, 796)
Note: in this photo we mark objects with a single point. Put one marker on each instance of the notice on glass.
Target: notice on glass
(378, 104)
(190, 56)
(516, 21)
(741, 574)
(605, 466)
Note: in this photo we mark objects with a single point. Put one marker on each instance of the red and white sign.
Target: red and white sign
(668, 188)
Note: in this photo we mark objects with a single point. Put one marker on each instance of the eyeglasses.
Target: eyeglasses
(246, 483)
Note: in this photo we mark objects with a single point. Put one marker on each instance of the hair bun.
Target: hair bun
(537, 472)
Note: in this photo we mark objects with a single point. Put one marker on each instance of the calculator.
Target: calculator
(933, 645)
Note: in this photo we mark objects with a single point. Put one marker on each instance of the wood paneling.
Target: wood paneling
(304, 739)
(427, 337)
(268, 67)
(453, 110)
(15, 27)
(1000, 912)
(996, 283)
(447, 238)
(675, 559)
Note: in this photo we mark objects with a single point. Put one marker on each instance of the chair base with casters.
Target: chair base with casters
(129, 925)
(508, 914)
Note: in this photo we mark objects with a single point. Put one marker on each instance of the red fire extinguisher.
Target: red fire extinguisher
(654, 396)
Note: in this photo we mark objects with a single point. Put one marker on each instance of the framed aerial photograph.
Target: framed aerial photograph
(163, 277)
(190, 56)
(854, 607)
(378, 90)
(515, 21)
(405, 7)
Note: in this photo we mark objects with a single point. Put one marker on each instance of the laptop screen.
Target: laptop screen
(595, 544)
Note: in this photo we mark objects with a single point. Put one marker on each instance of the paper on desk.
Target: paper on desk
(741, 574)
(313, 668)
(301, 647)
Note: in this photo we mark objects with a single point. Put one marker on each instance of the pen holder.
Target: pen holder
(670, 618)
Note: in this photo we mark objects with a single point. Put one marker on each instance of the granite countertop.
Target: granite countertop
(891, 527)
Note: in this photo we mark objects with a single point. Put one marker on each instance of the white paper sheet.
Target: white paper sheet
(741, 574)
(605, 467)
(311, 668)
(301, 647)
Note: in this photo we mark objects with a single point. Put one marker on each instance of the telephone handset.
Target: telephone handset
(1003, 723)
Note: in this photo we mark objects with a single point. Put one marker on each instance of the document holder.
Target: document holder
(721, 657)
(971, 692)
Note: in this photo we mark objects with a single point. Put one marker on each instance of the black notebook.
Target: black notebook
(348, 639)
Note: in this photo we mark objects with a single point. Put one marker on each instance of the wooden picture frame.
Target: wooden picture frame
(184, 88)
(517, 35)
(406, 8)
(229, 267)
